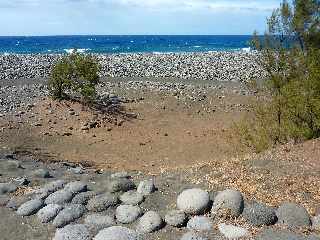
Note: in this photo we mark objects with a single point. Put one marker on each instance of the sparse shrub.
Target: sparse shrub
(76, 72)
(289, 108)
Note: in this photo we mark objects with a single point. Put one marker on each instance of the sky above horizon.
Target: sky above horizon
(126, 17)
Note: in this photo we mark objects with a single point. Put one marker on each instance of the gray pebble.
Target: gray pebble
(102, 202)
(258, 214)
(31, 207)
(193, 201)
(99, 222)
(76, 187)
(193, 236)
(128, 213)
(69, 214)
(120, 175)
(41, 173)
(232, 232)
(146, 187)
(83, 197)
(131, 198)
(149, 222)
(175, 218)
(121, 185)
(7, 188)
(59, 197)
(72, 232)
(228, 202)
(200, 223)
(49, 212)
(116, 233)
(293, 215)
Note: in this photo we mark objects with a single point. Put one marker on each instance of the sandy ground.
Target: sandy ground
(170, 134)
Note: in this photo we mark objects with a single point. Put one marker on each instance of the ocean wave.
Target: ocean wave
(80, 50)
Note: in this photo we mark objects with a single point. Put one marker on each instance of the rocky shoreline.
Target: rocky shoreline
(218, 66)
(74, 202)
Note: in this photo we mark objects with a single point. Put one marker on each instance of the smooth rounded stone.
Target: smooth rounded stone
(228, 203)
(273, 234)
(232, 232)
(200, 223)
(76, 187)
(193, 236)
(83, 197)
(11, 165)
(175, 218)
(116, 233)
(41, 173)
(128, 213)
(7, 188)
(293, 215)
(121, 185)
(31, 207)
(49, 212)
(149, 222)
(59, 197)
(258, 214)
(132, 198)
(72, 232)
(146, 187)
(193, 201)
(54, 186)
(77, 170)
(15, 202)
(99, 222)
(316, 222)
(49, 188)
(4, 199)
(120, 175)
(102, 202)
(69, 214)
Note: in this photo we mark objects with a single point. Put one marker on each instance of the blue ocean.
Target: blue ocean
(122, 44)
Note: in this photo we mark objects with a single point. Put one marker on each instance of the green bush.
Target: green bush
(75, 72)
(290, 106)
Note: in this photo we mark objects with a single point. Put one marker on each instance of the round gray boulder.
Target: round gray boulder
(69, 214)
(72, 232)
(149, 222)
(175, 218)
(116, 233)
(192, 236)
(120, 175)
(228, 203)
(232, 232)
(49, 212)
(146, 187)
(120, 185)
(258, 214)
(83, 197)
(54, 186)
(316, 223)
(59, 197)
(76, 187)
(102, 202)
(7, 188)
(131, 198)
(128, 213)
(99, 222)
(41, 173)
(200, 223)
(31, 207)
(193, 201)
(293, 215)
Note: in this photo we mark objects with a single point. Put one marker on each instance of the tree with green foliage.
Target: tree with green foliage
(290, 55)
(75, 72)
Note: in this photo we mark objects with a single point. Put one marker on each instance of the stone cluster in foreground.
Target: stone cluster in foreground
(221, 66)
(79, 213)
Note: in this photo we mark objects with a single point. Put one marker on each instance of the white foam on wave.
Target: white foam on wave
(247, 49)
(80, 50)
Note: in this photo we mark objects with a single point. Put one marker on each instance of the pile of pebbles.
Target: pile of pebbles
(219, 66)
(79, 210)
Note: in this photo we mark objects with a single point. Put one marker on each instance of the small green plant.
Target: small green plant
(75, 72)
